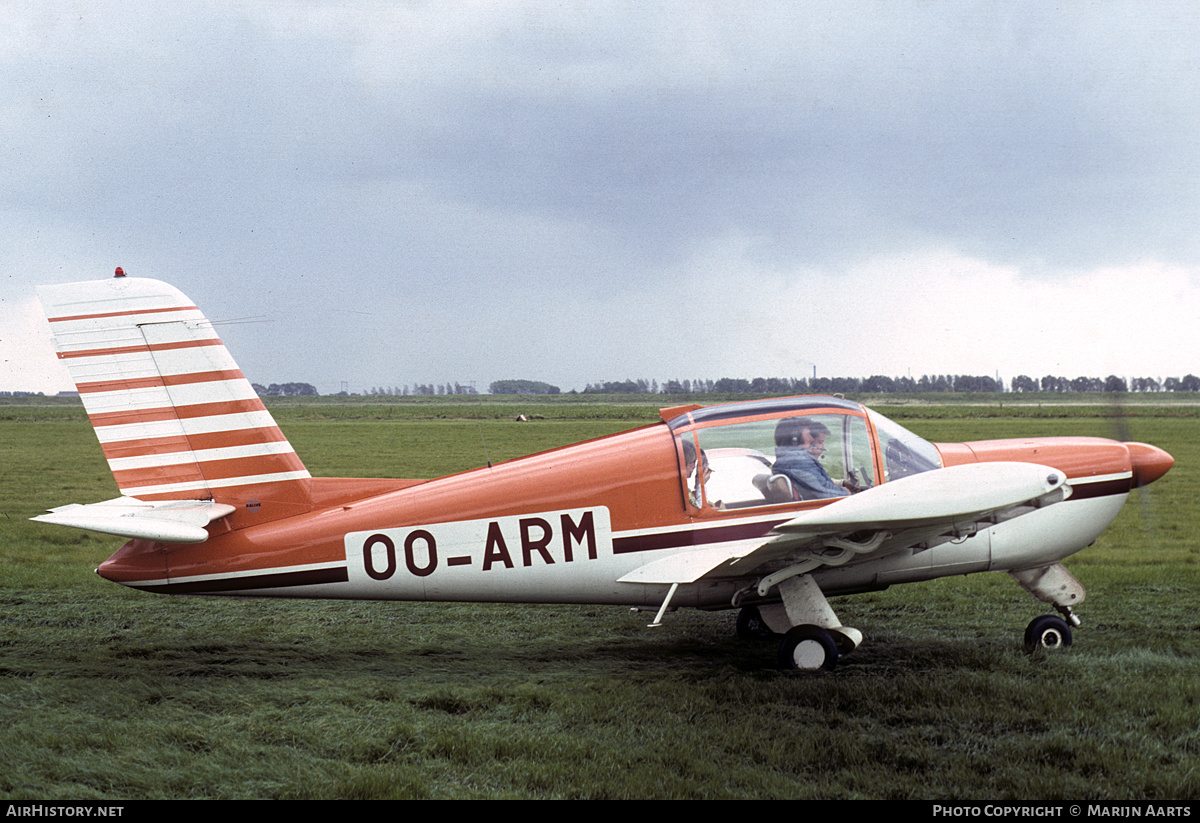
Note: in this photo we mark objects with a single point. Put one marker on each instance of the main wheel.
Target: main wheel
(807, 648)
(751, 626)
(1047, 632)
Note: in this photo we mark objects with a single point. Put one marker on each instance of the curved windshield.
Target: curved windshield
(903, 452)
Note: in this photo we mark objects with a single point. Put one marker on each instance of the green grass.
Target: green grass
(111, 694)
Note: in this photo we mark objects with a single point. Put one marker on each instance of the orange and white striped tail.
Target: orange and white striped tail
(175, 416)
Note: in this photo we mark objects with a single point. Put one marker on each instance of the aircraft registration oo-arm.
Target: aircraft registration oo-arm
(765, 506)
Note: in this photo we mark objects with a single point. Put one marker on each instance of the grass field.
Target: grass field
(112, 694)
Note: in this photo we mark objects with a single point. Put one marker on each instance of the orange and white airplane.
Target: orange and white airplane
(767, 506)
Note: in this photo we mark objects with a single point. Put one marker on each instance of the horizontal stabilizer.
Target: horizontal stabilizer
(168, 521)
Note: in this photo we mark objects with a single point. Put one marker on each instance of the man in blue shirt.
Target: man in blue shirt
(799, 444)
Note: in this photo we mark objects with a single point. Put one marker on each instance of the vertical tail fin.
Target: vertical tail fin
(175, 416)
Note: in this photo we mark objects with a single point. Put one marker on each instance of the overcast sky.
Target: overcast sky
(388, 193)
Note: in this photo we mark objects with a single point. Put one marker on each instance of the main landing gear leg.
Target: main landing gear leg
(1055, 585)
(814, 638)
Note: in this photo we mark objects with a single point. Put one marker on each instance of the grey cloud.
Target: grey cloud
(445, 159)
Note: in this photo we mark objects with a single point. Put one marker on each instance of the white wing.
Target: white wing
(921, 510)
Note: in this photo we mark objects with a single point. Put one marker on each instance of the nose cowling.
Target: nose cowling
(1149, 463)
(1079, 457)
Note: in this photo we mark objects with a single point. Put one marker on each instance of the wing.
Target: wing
(921, 510)
(167, 521)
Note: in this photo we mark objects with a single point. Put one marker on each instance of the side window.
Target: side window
(738, 458)
(822, 456)
(765, 462)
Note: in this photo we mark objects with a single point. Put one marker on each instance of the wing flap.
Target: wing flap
(170, 521)
(688, 566)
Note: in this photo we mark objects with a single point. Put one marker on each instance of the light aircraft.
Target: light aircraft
(766, 506)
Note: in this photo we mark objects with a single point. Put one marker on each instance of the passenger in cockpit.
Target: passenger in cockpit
(701, 477)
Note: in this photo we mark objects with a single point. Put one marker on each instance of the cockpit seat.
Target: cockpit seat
(775, 488)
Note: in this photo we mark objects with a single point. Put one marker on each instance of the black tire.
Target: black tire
(807, 648)
(751, 626)
(1047, 632)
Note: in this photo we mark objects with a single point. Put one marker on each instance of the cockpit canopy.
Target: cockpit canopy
(793, 449)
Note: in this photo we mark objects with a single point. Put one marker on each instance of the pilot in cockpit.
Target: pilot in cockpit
(799, 445)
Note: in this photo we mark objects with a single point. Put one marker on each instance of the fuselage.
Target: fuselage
(565, 525)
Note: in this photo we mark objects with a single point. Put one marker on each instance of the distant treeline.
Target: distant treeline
(799, 385)
(423, 389)
(522, 387)
(285, 390)
(879, 384)
(876, 384)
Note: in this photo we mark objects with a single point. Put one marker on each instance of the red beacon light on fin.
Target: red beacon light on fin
(120, 272)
